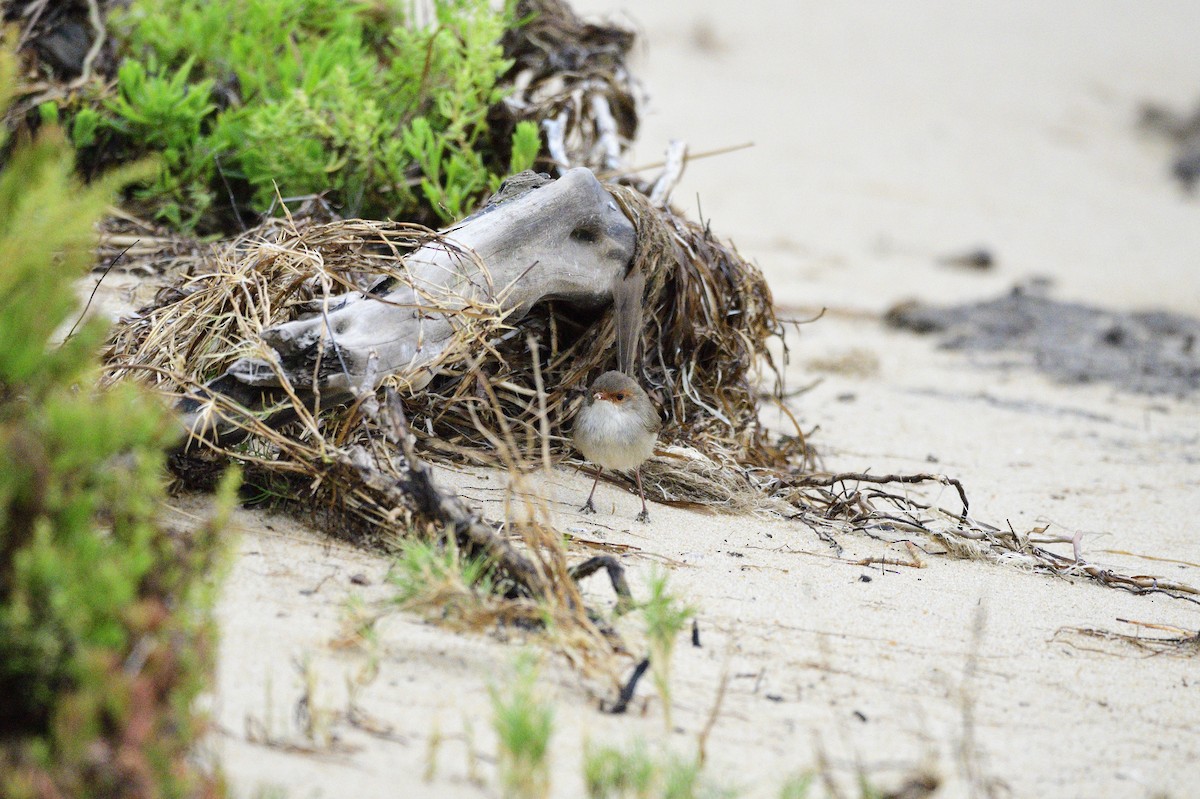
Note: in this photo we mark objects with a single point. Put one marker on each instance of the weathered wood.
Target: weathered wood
(539, 239)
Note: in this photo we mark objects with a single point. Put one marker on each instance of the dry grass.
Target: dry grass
(1177, 642)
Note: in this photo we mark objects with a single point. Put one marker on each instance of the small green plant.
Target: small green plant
(247, 101)
(164, 113)
(797, 787)
(609, 773)
(359, 631)
(681, 780)
(664, 617)
(526, 144)
(612, 773)
(523, 722)
(105, 614)
(435, 577)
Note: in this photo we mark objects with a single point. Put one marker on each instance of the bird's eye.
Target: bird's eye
(621, 396)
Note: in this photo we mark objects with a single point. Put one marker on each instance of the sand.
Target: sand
(886, 136)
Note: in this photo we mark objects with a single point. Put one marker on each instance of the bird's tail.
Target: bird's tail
(628, 291)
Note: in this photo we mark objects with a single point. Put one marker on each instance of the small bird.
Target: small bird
(618, 425)
(616, 429)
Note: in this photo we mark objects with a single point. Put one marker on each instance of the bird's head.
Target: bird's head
(614, 387)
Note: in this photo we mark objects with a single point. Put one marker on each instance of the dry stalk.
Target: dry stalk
(1180, 643)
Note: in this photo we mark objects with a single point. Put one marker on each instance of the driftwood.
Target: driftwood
(538, 239)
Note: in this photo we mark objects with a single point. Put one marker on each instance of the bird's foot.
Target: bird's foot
(588, 507)
(644, 517)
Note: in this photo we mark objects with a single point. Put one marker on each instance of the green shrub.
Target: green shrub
(260, 99)
(105, 632)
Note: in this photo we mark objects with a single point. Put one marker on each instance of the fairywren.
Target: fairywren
(616, 429)
(618, 425)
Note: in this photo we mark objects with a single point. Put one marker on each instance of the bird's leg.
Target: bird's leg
(588, 507)
(644, 516)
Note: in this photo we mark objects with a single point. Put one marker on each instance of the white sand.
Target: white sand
(886, 135)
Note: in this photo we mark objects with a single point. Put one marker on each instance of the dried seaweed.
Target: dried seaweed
(569, 76)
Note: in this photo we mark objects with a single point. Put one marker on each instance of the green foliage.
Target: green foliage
(523, 723)
(104, 622)
(164, 114)
(270, 98)
(526, 144)
(436, 577)
(664, 618)
(682, 780)
(610, 773)
(84, 127)
(797, 787)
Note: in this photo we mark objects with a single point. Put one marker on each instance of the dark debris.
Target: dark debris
(1148, 352)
